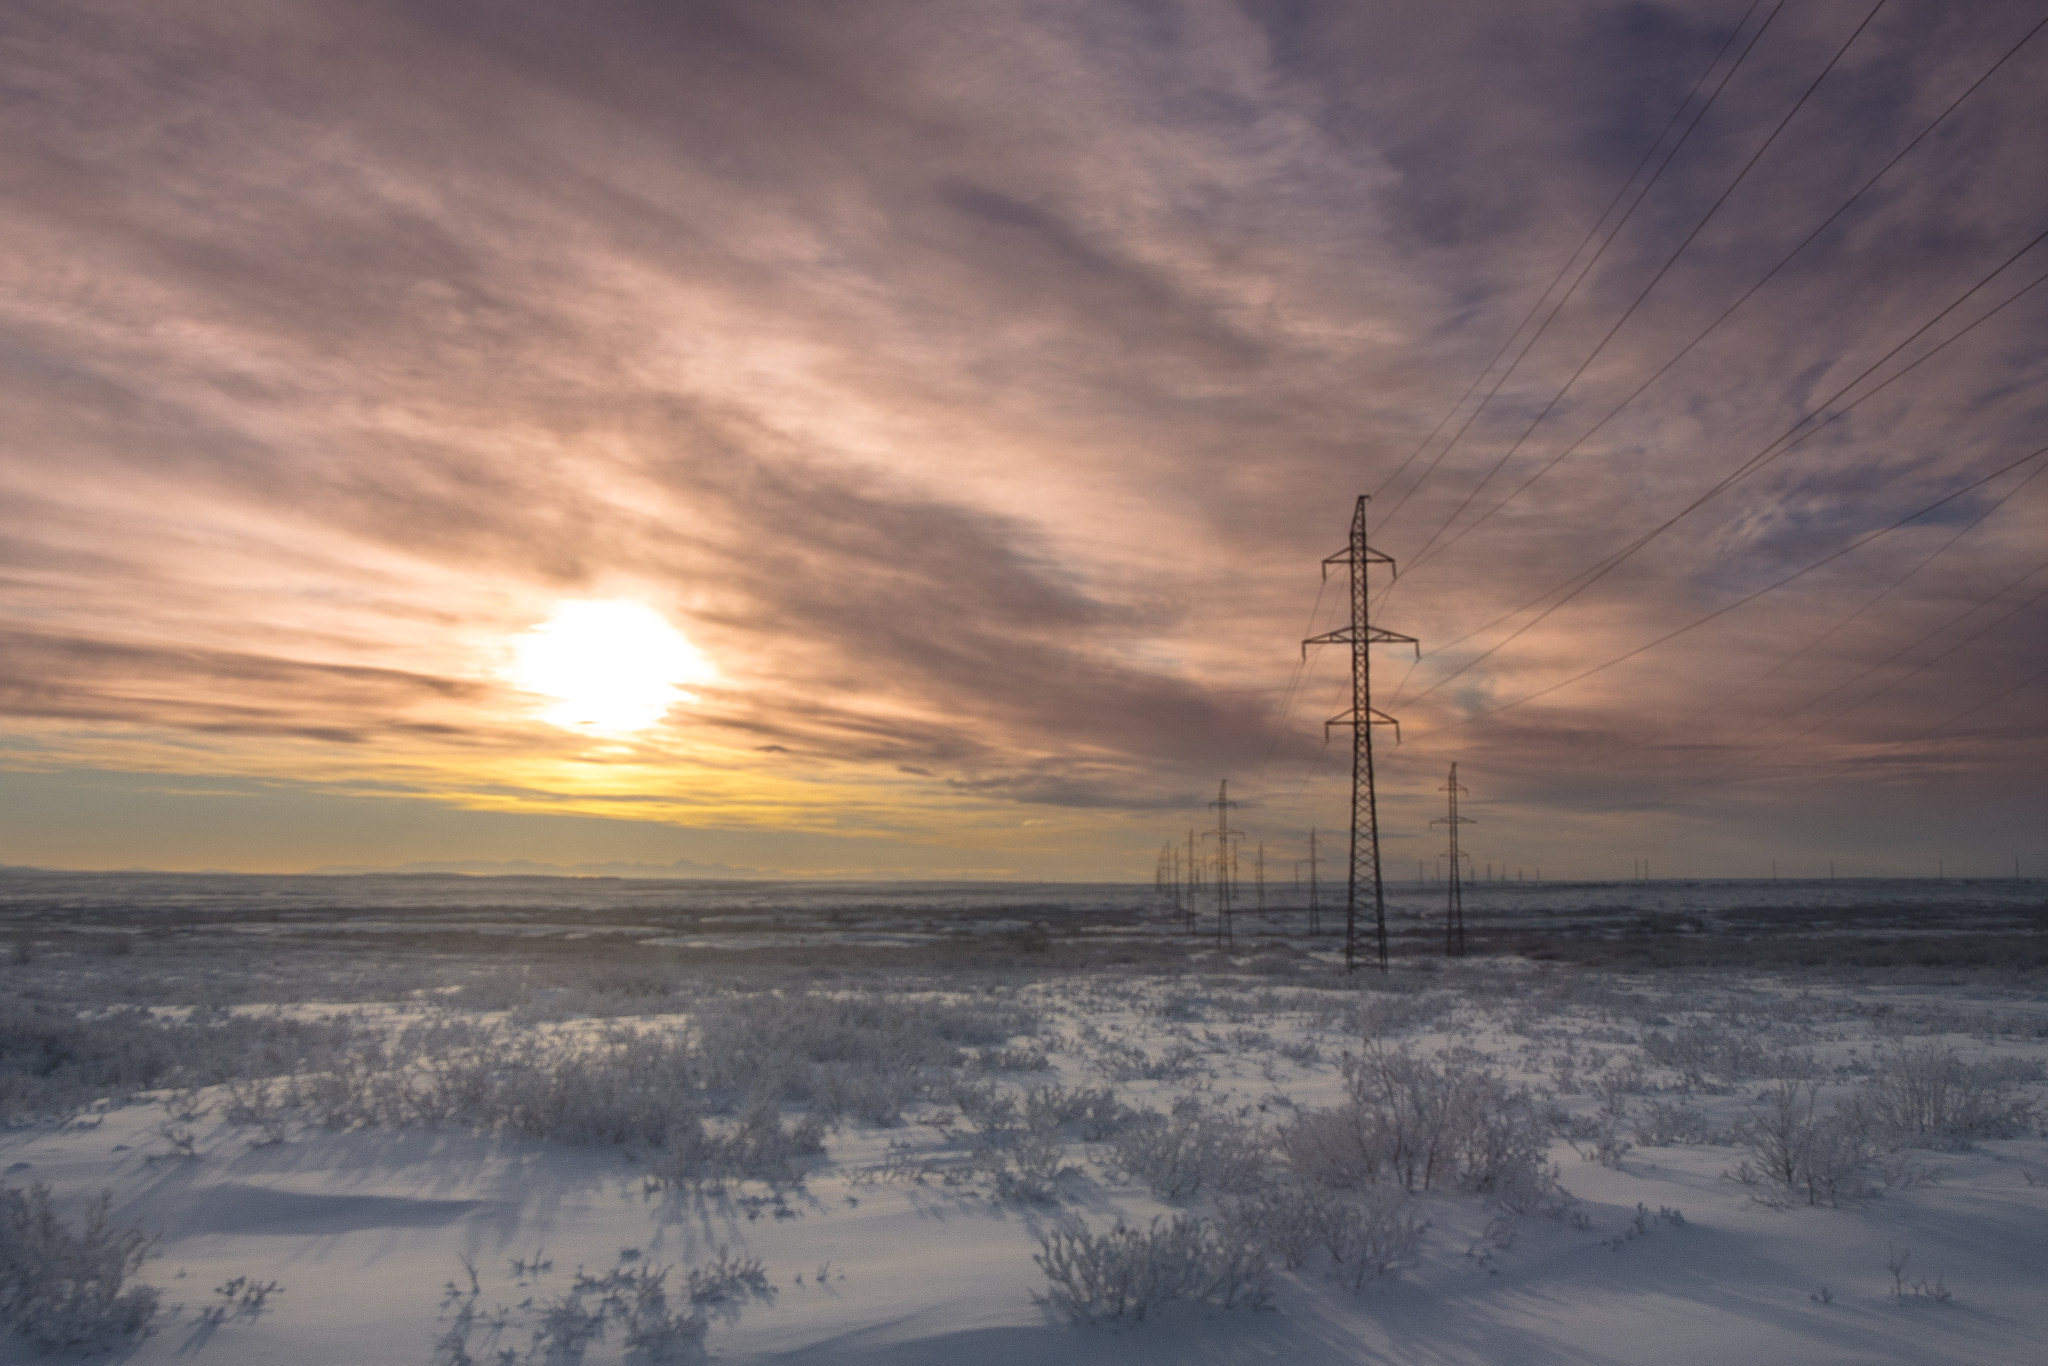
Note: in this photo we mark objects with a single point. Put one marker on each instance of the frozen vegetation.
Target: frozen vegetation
(450, 1121)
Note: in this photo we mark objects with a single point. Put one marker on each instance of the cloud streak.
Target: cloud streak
(979, 387)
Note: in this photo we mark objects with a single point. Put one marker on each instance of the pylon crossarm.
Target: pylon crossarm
(1345, 556)
(1374, 635)
(1374, 717)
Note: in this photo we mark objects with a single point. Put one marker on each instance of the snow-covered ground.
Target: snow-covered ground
(1025, 1098)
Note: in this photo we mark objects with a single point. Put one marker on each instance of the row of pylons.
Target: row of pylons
(1216, 852)
(1363, 876)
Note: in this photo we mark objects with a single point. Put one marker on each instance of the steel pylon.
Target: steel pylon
(1361, 635)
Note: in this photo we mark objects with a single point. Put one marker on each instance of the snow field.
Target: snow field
(1540, 1164)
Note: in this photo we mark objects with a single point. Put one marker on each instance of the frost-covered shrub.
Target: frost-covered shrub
(1019, 1140)
(1027, 1169)
(988, 1107)
(1129, 1271)
(1093, 1112)
(1917, 1097)
(1380, 1014)
(55, 1062)
(1932, 1094)
(760, 1147)
(1303, 1053)
(1662, 1124)
(1424, 1125)
(841, 1058)
(1712, 1058)
(1363, 1238)
(617, 1087)
(745, 1039)
(1823, 1159)
(64, 1288)
(1600, 1135)
(621, 1089)
(1194, 1149)
(1128, 1062)
(862, 1057)
(658, 1325)
(863, 1094)
(635, 1088)
(1089, 1113)
(1183, 1007)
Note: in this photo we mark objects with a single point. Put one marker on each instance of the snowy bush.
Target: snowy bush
(1712, 1058)
(743, 1040)
(1822, 1158)
(1425, 1125)
(1027, 1170)
(63, 1288)
(1128, 1062)
(1378, 1014)
(1661, 1124)
(1362, 1238)
(55, 1062)
(1128, 1271)
(1194, 1149)
(860, 1056)
(1094, 1112)
(865, 1095)
(761, 1147)
(657, 1324)
(1932, 1095)
(1918, 1097)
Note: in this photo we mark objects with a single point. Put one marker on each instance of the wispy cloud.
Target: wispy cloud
(979, 387)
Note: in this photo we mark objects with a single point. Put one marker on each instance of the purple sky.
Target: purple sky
(977, 387)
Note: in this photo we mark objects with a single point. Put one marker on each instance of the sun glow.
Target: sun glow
(612, 667)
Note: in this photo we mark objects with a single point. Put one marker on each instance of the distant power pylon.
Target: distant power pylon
(1315, 900)
(1361, 635)
(1169, 879)
(1226, 860)
(1454, 909)
(1194, 882)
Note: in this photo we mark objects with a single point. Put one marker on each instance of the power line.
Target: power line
(1917, 669)
(1866, 605)
(1784, 442)
(1643, 294)
(1732, 769)
(1293, 687)
(1565, 269)
(1723, 610)
(1427, 554)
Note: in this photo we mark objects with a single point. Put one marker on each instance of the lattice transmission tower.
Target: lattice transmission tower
(1226, 860)
(1454, 907)
(1315, 897)
(1361, 635)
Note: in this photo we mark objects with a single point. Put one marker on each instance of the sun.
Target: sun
(612, 667)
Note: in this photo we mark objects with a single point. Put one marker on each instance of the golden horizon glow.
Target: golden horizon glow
(613, 668)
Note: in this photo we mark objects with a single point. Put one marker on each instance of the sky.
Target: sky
(933, 419)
